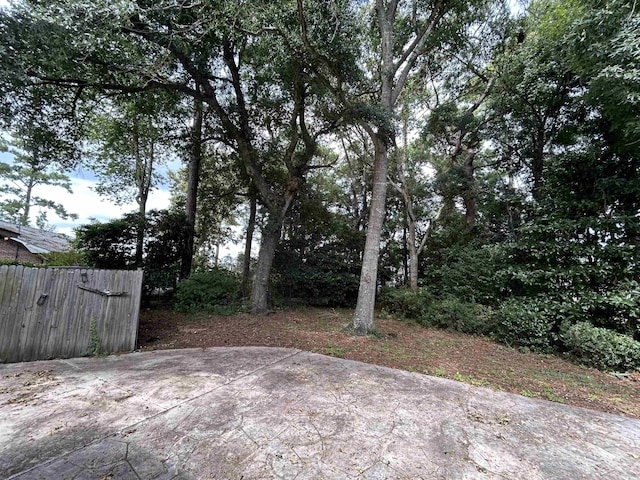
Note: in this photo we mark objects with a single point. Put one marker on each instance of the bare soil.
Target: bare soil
(403, 345)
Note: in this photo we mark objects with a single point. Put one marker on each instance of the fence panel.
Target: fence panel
(51, 312)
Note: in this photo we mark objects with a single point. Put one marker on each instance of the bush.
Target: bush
(327, 275)
(214, 291)
(525, 323)
(447, 312)
(602, 348)
(467, 272)
(406, 303)
(454, 314)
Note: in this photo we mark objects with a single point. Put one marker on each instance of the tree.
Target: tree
(193, 180)
(130, 139)
(532, 92)
(219, 196)
(40, 157)
(574, 254)
(405, 33)
(113, 244)
(210, 51)
(20, 179)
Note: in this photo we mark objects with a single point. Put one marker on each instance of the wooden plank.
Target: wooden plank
(21, 295)
(108, 283)
(127, 329)
(102, 308)
(134, 307)
(71, 314)
(4, 274)
(124, 330)
(110, 314)
(46, 314)
(8, 282)
(5, 284)
(32, 331)
(13, 337)
(111, 321)
(100, 305)
(43, 285)
(80, 315)
(67, 321)
(84, 313)
(52, 313)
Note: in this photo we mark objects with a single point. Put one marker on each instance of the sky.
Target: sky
(88, 205)
(85, 202)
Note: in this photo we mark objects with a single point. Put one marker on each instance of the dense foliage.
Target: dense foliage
(214, 291)
(555, 253)
(113, 245)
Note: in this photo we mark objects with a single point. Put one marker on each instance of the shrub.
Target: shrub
(406, 303)
(602, 348)
(447, 312)
(215, 290)
(467, 272)
(454, 314)
(525, 323)
(327, 275)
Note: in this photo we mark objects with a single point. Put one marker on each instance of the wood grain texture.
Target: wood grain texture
(44, 314)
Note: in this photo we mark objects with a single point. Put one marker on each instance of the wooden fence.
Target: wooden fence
(58, 312)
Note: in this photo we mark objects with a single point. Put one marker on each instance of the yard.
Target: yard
(401, 345)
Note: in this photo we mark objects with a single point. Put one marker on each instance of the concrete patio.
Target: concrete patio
(249, 413)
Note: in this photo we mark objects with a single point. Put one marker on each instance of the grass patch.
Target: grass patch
(478, 382)
(550, 395)
(334, 351)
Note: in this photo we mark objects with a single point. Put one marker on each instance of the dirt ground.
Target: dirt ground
(402, 345)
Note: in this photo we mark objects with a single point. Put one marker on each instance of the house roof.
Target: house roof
(35, 240)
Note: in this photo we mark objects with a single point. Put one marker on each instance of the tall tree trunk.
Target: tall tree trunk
(537, 163)
(394, 74)
(24, 220)
(469, 195)
(141, 198)
(405, 254)
(268, 244)
(413, 256)
(246, 261)
(140, 229)
(363, 321)
(195, 162)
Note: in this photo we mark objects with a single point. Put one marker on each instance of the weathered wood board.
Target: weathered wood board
(50, 312)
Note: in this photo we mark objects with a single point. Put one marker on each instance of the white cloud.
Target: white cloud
(87, 204)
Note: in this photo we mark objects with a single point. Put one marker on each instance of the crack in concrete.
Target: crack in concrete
(463, 434)
(162, 412)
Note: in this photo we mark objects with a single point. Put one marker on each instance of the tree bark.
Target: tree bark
(246, 261)
(270, 238)
(195, 162)
(405, 254)
(413, 257)
(141, 197)
(537, 163)
(469, 195)
(363, 320)
(24, 221)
